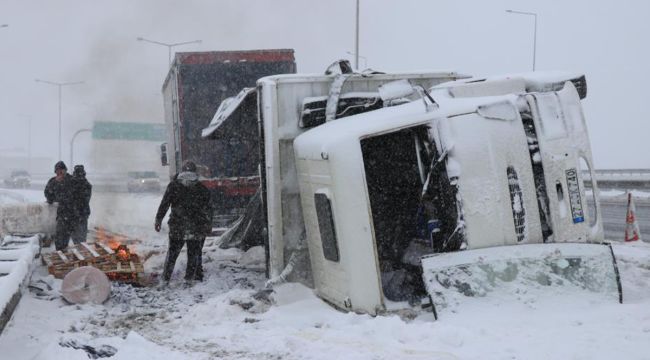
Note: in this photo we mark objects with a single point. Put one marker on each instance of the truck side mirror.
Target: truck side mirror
(163, 154)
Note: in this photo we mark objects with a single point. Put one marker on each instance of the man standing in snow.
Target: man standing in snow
(189, 222)
(59, 190)
(82, 191)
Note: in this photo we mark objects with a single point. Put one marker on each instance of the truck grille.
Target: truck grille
(517, 203)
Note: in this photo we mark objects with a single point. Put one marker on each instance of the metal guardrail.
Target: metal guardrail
(619, 174)
(620, 178)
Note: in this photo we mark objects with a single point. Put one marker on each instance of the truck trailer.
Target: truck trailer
(197, 83)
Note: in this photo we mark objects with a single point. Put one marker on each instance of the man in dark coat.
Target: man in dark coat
(59, 190)
(82, 191)
(190, 221)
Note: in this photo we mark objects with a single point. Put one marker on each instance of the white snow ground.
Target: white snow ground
(220, 318)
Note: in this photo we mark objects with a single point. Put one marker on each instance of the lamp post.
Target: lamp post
(59, 85)
(28, 119)
(534, 31)
(169, 46)
(72, 143)
(29, 144)
(356, 40)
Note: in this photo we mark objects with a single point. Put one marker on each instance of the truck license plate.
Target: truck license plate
(574, 196)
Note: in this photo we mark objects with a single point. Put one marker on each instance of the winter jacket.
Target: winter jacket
(190, 204)
(82, 191)
(61, 192)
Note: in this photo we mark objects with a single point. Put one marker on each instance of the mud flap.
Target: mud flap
(526, 271)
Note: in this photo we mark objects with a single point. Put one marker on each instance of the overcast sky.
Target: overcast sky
(95, 42)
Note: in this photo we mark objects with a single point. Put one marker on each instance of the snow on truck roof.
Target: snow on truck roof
(454, 98)
(539, 81)
(320, 77)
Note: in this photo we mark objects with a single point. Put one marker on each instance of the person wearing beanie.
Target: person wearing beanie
(82, 191)
(59, 190)
(190, 221)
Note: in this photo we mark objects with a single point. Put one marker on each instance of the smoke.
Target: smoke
(123, 76)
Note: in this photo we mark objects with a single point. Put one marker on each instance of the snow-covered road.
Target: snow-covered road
(222, 317)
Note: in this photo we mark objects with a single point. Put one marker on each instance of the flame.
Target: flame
(123, 253)
(115, 242)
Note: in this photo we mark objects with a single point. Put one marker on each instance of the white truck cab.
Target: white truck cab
(491, 163)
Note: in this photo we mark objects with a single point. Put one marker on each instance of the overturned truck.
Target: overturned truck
(380, 190)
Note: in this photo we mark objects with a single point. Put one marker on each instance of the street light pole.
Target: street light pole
(29, 140)
(72, 144)
(534, 31)
(59, 85)
(169, 46)
(29, 144)
(356, 42)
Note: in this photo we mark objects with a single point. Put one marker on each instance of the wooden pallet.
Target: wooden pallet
(60, 263)
(125, 270)
(109, 253)
(129, 270)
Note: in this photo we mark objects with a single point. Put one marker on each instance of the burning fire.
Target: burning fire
(123, 253)
(116, 242)
(128, 265)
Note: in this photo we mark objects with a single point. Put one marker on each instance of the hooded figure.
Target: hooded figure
(82, 191)
(59, 189)
(190, 221)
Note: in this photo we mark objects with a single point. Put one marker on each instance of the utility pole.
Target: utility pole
(59, 85)
(28, 119)
(534, 31)
(356, 42)
(29, 144)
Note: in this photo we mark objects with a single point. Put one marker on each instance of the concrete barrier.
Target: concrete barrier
(17, 261)
(27, 219)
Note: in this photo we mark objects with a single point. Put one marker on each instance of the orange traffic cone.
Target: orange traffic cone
(631, 226)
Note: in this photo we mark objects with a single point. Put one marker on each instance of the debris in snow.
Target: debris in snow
(102, 351)
(43, 289)
(86, 284)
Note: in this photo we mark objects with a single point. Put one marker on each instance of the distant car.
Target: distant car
(141, 181)
(18, 179)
